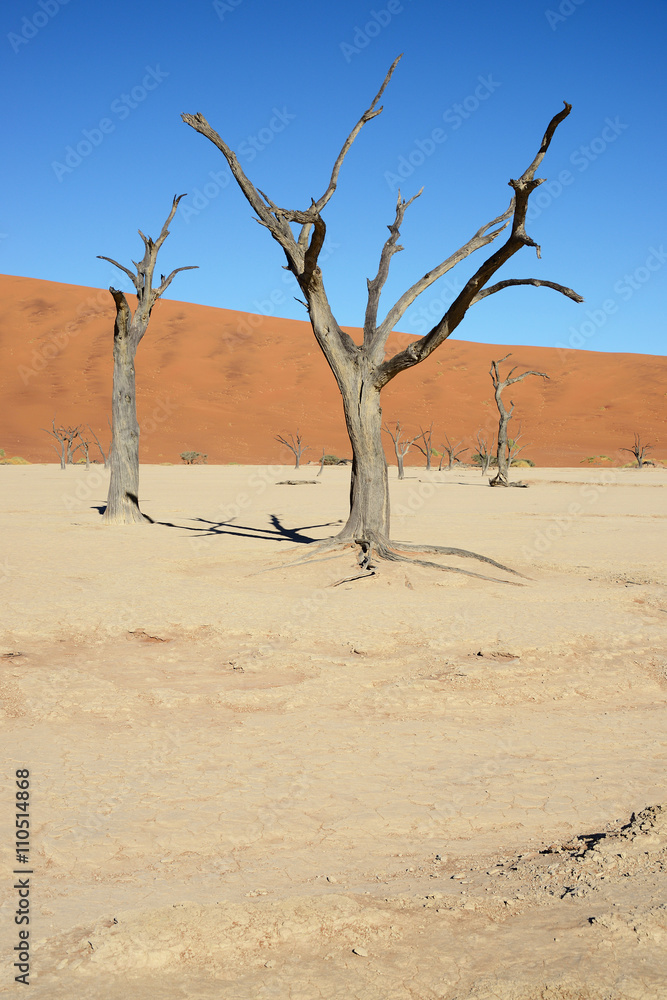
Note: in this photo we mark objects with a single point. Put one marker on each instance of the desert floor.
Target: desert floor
(248, 783)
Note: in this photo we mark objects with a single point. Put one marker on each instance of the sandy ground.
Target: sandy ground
(249, 783)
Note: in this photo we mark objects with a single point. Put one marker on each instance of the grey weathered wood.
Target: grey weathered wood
(123, 498)
(499, 385)
(452, 451)
(401, 448)
(296, 446)
(426, 447)
(639, 451)
(362, 371)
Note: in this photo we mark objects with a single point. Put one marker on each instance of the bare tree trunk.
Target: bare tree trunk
(500, 478)
(503, 453)
(369, 483)
(123, 498)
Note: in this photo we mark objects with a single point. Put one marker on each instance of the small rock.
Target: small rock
(360, 951)
(459, 875)
(331, 878)
(270, 964)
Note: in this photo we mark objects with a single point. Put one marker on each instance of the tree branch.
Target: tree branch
(537, 282)
(389, 249)
(518, 238)
(132, 276)
(269, 217)
(366, 117)
(481, 238)
(167, 281)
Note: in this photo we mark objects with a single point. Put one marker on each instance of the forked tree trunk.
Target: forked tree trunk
(362, 370)
(123, 499)
(369, 483)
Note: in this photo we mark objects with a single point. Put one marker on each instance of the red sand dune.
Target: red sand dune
(225, 383)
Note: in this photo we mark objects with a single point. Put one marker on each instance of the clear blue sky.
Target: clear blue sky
(284, 83)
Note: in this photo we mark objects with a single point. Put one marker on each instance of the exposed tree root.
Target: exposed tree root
(391, 551)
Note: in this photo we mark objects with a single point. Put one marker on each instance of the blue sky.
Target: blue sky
(94, 92)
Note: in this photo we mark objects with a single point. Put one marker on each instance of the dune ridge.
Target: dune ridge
(226, 383)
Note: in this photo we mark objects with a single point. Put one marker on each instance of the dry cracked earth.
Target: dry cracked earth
(250, 784)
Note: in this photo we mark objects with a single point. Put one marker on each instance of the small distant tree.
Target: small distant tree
(123, 499)
(483, 453)
(639, 451)
(84, 444)
(452, 451)
(401, 448)
(426, 447)
(295, 445)
(105, 456)
(65, 436)
(193, 457)
(503, 450)
(514, 449)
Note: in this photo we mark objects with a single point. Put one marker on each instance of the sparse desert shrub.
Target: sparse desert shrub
(16, 460)
(2, 452)
(193, 458)
(524, 463)
(335, 460)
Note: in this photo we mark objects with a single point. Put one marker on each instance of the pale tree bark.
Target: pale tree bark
(452, 451)
(105, 457)
(123, 499)
(426, 447)
(503, 450)
(65, 436)
(401, 448)
(295, 445)
(483, 452)
(362, 371)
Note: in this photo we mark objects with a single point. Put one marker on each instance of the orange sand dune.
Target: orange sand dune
(225, 383)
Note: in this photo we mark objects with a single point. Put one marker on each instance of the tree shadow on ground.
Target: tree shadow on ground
(204, 528)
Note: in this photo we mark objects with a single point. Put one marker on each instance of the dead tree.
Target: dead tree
(513, 447)
(401, 448)
(452, 451)
(483, 452)
(362, 370)
(503, 449)
(426, 448)
(639, 451)
(65, 436)
(105, 457)
(84, 444)
(123, 499)
(295, 445)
